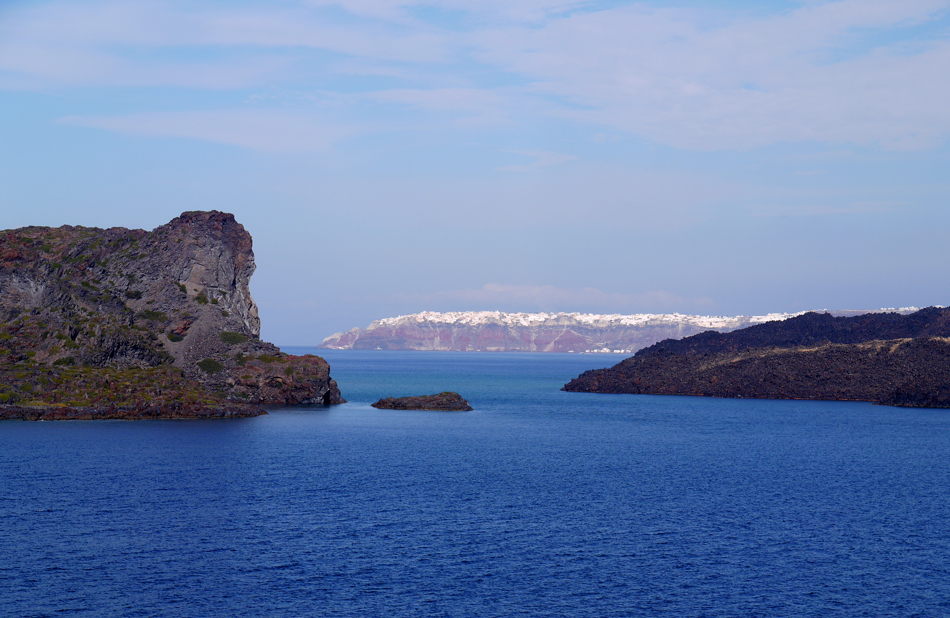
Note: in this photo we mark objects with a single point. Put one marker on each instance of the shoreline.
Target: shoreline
(131, 413)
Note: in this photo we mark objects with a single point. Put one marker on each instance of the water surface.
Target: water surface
(537, 503)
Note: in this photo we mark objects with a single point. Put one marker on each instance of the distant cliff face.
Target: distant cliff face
(77, 304)
(887, 358)
(495, 331)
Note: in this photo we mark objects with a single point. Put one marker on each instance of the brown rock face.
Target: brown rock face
(78, 305)
(210, 252)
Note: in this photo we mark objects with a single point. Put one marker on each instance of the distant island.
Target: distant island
(497, 331)
(888, 358)
(119, 323)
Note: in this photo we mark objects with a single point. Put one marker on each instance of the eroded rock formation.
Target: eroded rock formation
(158, 322)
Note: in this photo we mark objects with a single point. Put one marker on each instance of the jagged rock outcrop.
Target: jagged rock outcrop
(496, 331)
(94, 319)
(447, 401)
(886, 358)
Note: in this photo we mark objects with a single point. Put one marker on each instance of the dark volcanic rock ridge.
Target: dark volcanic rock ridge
(887, 358)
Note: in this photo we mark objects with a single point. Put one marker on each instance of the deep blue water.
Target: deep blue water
(538, 503)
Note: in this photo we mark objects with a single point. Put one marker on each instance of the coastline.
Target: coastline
(130, 413)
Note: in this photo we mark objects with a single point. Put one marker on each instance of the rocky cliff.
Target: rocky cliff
(135, 323)
(496, 331)
(888, 358)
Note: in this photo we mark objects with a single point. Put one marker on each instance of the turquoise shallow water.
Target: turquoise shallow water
(537, 503)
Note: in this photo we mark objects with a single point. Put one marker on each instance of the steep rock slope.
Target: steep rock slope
(496, 331)
(887, 358)
(150, 323)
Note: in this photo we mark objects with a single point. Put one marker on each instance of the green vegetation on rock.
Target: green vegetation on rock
(154, 316)
(233, 338)
(209, 365)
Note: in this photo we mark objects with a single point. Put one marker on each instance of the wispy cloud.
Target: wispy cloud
(542, 158)
(470, 105)
(845, 71)
(681, 78)
(128, 44)
(509, 297)
(403, 10)
(822, 210)
(110, 24)
(275, 131)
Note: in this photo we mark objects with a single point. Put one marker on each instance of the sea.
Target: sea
(538, 502)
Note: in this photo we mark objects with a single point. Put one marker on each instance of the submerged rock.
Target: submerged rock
(447, 401)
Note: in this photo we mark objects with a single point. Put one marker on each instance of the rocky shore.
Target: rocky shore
(68, 413)
(119, 323)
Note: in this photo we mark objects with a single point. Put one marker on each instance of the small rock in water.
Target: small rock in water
(447, 401)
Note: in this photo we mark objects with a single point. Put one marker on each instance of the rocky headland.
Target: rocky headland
(886, 358)
(446, 402)
(119, 323)
(497, 331)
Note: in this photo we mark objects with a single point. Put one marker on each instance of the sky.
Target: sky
(395, 156)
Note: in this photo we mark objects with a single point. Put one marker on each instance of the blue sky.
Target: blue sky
(392, 156)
